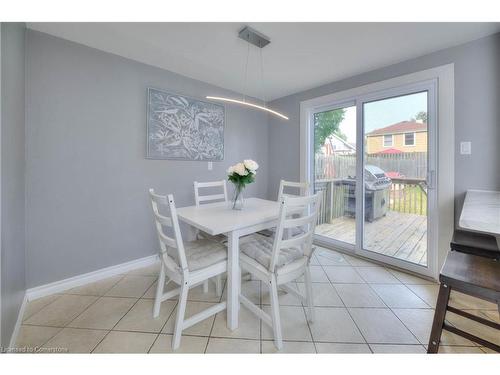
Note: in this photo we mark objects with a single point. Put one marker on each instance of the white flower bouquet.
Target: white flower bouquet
(240, 175)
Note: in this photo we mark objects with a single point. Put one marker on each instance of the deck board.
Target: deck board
(400, 235)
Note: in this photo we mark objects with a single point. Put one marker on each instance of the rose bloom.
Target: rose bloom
(251, 165)
(240, 169)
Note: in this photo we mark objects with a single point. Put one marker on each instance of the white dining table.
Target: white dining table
(481, 213)
(219, 218)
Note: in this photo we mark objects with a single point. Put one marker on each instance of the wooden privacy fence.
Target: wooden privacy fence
(409, 165)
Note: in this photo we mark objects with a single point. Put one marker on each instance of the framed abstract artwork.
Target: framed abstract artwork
(184, 128)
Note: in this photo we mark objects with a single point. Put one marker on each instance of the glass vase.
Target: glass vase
(237, 202)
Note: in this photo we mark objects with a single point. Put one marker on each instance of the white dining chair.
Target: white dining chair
(186, 264)
(302, 188)
(210, 198)
(278, 261)
(201, 199)
(299, 189)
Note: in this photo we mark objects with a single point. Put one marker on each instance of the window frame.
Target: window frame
(392, 140)
(414, 139)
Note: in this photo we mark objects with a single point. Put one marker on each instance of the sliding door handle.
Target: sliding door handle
(431, 179)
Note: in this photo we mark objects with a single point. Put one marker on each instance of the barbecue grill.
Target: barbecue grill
(377, 186)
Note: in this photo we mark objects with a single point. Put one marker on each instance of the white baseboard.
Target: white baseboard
(72, 282)
(15, 332)
(86, 278)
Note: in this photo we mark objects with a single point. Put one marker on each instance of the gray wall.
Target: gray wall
(12, 176)
(477, 114)
(86, 173)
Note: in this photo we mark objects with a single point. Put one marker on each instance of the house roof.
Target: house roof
(400, 127)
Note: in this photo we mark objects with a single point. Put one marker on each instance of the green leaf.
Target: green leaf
(326, 124)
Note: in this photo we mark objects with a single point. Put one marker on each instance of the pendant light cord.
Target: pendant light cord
(246, 73)
(246, 35)
(262, 79)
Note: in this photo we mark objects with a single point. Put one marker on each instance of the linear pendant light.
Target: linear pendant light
(251, 36)
(247, 104)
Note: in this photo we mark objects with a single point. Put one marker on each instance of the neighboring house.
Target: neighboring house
(405, 136)
(335, 145)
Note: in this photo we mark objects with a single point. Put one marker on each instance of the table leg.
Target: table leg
(233, 280)
(192, 233)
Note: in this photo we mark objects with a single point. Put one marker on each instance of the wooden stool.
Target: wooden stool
(470, 274)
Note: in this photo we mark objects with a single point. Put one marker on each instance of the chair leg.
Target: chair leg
(275, 313)
(179, 319)
(439, 316)
(205, 286)
(309, 295)
(218, 285)
(159, 291)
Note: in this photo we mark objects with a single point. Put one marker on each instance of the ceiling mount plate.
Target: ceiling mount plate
(254, 37)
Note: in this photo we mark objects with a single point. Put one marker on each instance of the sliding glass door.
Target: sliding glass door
(373, 159)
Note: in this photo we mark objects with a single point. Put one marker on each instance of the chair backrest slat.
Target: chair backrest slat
(295, 241)
(302, 186)
(212, 197)
(164, 220)
(166, 242)
(296, 212)
(298, 222)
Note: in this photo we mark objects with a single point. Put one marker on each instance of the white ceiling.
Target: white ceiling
(300, 56)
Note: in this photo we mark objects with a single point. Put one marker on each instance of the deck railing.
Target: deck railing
(408, 195)
(405, 195)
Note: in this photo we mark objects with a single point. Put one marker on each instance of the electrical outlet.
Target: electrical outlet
(210, 166)
(465, 148)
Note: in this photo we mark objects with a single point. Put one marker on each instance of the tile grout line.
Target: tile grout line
(168, 318)
(67, 324)
(387, 306)
(345, 307)
(410, 308)
(393, 313)
(309, 327)
(215, 317)
(119, 320)
(143, 294)
(391, 309)
(47, 305)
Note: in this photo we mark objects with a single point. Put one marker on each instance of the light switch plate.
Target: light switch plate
(210, 166)
(465, 148)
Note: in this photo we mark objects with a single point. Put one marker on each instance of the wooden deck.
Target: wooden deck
(399, 235)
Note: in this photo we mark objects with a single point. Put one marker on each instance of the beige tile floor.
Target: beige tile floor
(361, 308)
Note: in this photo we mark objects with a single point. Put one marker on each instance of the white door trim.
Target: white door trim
(445, 147)
(1, 318)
